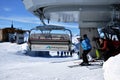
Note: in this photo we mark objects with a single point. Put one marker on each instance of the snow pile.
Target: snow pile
(112, 68)
(14, 66)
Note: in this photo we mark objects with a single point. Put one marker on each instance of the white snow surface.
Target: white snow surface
(112, 68)
(14, 65)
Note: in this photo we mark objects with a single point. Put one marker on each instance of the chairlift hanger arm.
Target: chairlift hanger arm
(70, 34)
(40, 13)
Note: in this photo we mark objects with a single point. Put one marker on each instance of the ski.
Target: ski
(93, 65)
(77, 65)
(73, 66)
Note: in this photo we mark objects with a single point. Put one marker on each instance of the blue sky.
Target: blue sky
(14, 10)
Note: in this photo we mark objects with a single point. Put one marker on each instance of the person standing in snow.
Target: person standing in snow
(86, 46)
(88, 43)
(107, 47)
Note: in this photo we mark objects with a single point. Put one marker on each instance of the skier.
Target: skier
(85, 44)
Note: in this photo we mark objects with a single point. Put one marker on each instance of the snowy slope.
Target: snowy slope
(14, 65)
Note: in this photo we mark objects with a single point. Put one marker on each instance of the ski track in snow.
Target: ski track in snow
(14, 65)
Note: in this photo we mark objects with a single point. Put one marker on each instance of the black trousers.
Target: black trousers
(107, 55)
(84, 55)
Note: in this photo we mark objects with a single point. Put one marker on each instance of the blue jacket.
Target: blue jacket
(85, 45)
(88, 42)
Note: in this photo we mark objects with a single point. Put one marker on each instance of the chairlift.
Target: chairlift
(113, 27)
(46, 40)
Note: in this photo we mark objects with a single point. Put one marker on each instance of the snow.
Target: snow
(112, 68)
(15, 65)
(74, 39)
